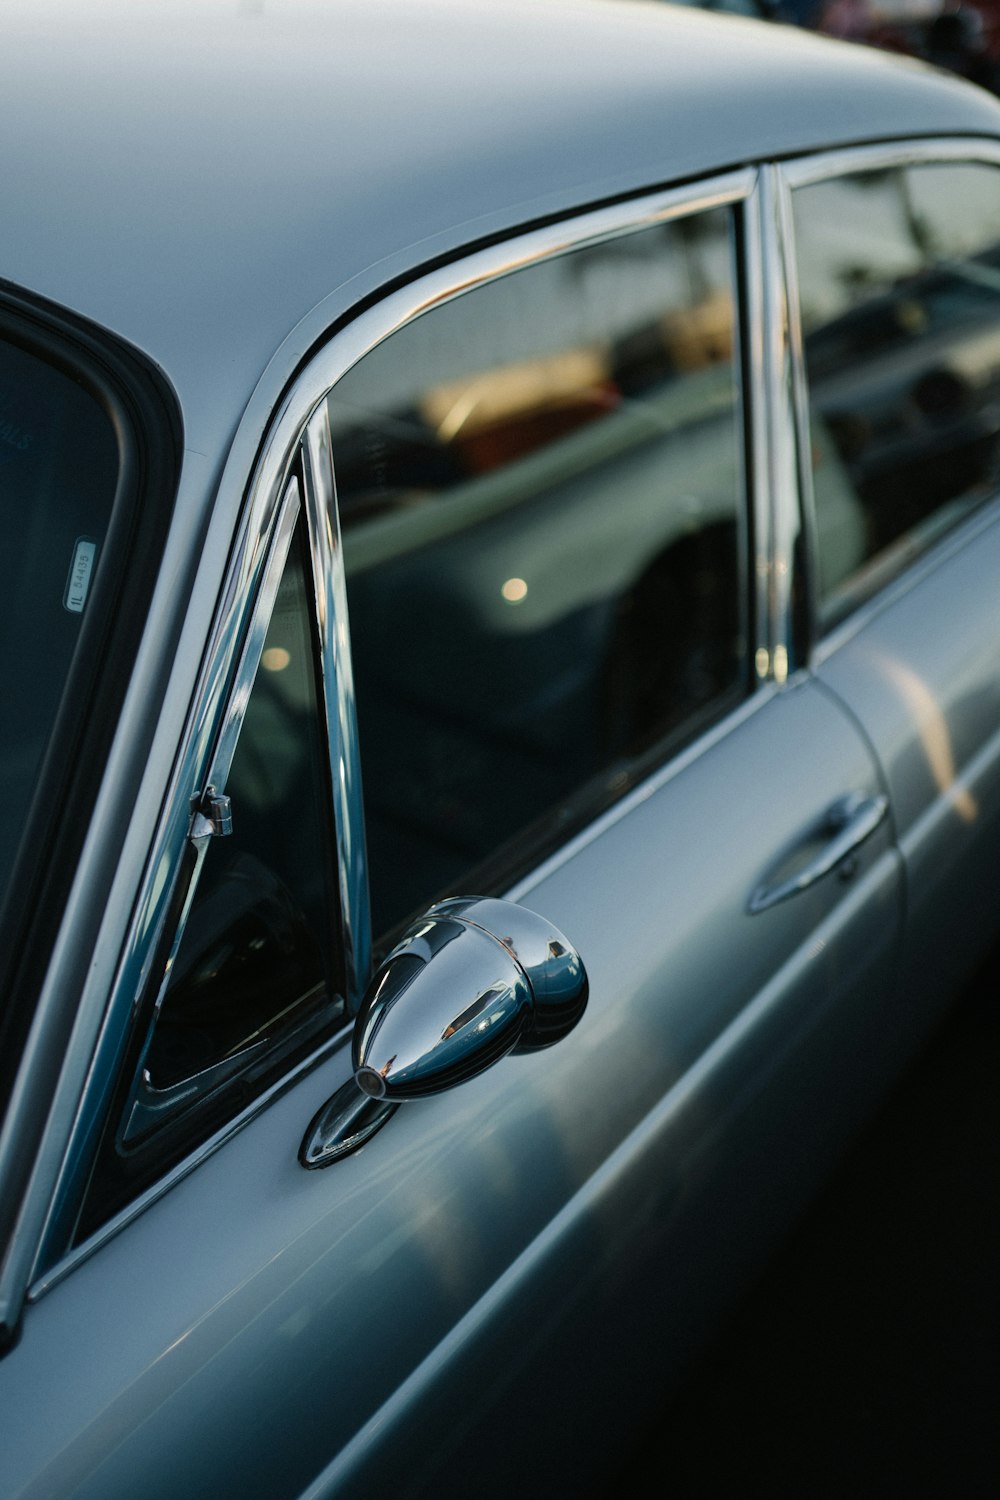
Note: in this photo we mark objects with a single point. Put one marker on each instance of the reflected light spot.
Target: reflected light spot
(275, 659)
(932, 728)
(514, 590)
(762, 661)
(780, 664)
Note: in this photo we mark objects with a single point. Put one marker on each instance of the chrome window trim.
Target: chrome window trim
(259, 620)
(909, 576)
(663, 774)
(757, 400)
(820, 167)
(298, 425)
(777, 443)
(800, 513)
(330, 594)
(377, 323)
(805, 172)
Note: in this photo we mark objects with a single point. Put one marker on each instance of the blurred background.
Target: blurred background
(960, 35)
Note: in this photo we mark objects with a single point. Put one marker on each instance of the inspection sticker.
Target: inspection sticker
(80, 570)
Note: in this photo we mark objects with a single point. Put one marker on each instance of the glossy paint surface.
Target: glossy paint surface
(455, 1218)
(923, 677)
(241, 178)
(236, 166)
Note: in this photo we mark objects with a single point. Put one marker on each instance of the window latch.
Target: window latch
(211, 817)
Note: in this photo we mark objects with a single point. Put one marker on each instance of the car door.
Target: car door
(520, 546)
(902, 369)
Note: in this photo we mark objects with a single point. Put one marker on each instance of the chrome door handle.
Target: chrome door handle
(846, 825)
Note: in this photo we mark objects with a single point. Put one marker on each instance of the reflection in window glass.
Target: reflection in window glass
(899, 277)
(540, 488)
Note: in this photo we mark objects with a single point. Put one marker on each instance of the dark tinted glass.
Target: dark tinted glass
(540, 486)
(58, 474)
(900, 287)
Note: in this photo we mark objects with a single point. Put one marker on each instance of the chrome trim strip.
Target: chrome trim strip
(978, 521)
(804, 520)
(821, 167)
(633, 799)
(402, 306)
(781, 454)
(756, 408)
(205, 718)
(260, 619)
(330, 593)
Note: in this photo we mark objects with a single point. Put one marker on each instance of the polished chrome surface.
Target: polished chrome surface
(473, 980)
(552, 966)
(212, 817)
(151, 1105)
(781, 468)
(330, 593)
(823, 165)
(448, 1002)
(257, 604)
(344, 1123)
(454, 280)
(847, 824)
(804, 519)
(758, 401)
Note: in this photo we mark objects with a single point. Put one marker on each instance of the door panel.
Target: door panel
(900, 312)
(923, 677)
(634, 1173)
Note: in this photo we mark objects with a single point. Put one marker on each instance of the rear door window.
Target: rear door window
(899, 275)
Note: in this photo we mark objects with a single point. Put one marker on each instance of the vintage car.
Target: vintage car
(501, 745)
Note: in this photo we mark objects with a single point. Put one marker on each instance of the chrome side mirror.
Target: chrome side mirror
(470, 982)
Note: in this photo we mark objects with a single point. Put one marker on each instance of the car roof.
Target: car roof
(216, 180)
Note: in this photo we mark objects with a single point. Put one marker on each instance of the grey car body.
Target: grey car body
(254, 200)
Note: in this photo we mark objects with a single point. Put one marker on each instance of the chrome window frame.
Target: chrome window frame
(759, 365)
(806, 171)
(299, 432)
(776, 443)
